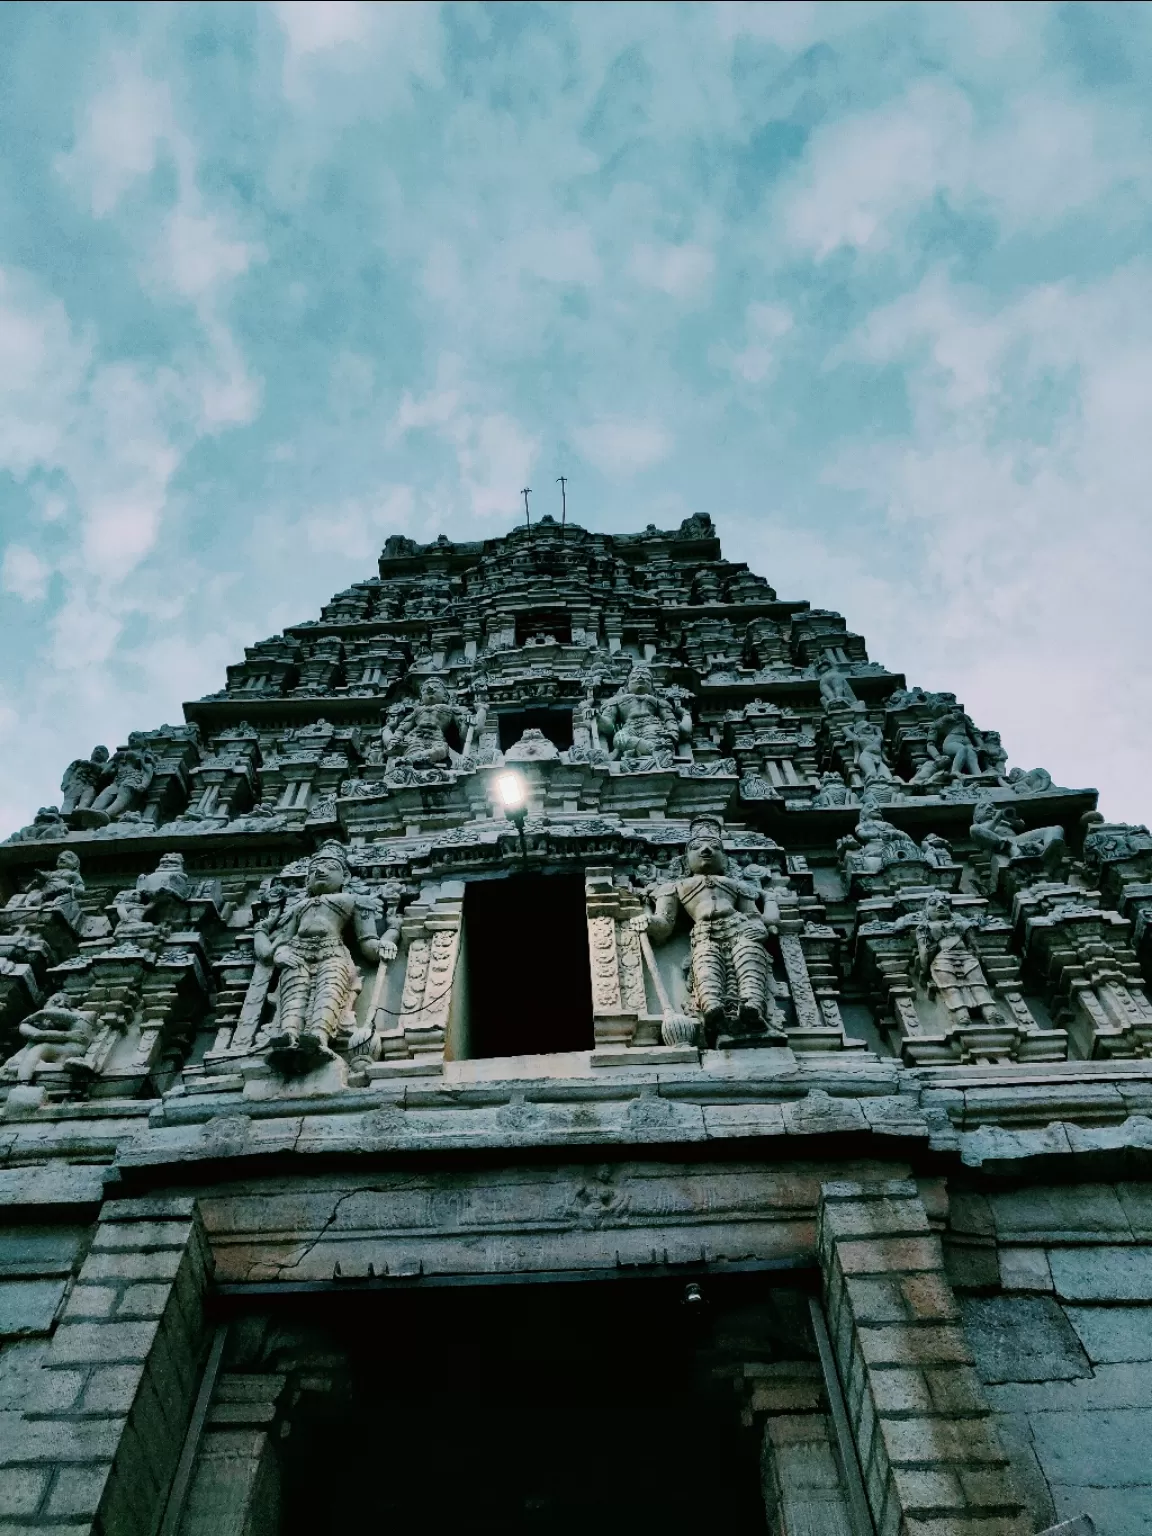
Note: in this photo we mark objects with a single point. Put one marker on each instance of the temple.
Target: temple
(566, 1018)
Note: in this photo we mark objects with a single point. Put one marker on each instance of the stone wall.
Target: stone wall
(1060, 1326)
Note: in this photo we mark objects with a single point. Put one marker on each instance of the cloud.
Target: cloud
(24, 574)
(1028, 164)
(315, 26)
(618, 446)
(765, 325)
(121, 132)
(1020, 496)
(681, 271)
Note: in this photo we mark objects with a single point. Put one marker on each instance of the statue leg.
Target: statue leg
(708, 978)
(753, 981)
(333, 991)
(295, 987)
(121, 803)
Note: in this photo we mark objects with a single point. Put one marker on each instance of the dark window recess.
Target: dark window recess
(529, 985)
(555, 723)
(537, 626)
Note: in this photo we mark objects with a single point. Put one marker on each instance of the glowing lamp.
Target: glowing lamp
(510, 788)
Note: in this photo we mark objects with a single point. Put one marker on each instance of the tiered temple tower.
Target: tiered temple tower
(557, 906)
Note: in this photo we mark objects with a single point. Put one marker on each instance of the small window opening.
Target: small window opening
(541, 627)
(555, 723)
(528, 983)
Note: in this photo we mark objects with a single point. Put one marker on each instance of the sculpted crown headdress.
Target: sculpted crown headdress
(330, 850)
(705, 826)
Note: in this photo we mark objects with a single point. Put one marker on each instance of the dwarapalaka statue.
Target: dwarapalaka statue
(730, 979)
(318, 981)
(641, 723)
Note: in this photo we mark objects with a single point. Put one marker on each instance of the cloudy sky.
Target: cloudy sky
(870, 284)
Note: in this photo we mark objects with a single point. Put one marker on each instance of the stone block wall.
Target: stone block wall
(95, 1397)
(932, 1460)
(1058, 1314)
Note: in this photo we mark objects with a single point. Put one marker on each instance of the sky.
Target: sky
(870, 284)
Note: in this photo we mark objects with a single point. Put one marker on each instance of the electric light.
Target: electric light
(510, 787)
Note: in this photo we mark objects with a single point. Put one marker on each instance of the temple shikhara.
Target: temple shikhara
(565, 1040)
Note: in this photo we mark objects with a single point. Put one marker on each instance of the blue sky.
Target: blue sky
(868, 283)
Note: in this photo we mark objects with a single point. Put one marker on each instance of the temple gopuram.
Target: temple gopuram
(566, 1041)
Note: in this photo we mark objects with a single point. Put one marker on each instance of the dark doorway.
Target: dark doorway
(555, 723)
(529, 986)
(528, 1410)
(539, 626)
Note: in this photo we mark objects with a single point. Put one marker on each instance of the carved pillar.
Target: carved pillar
(619, 1003)
(430, 948)
(235, 1485)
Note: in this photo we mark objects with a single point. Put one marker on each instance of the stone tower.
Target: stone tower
(569, 1017)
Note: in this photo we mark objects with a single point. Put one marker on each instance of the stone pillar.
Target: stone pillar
(932, 1460)
(102, 1426)
(800, 1468)
(235, 1487)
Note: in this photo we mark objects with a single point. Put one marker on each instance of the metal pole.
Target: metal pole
(857, 1500)
(181, 1481)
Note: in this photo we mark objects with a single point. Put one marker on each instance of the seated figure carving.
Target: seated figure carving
(730, 975)
(58, 1036)
(124, 783)
(641, 724)
(1001, 830)
(48, 886)
(416, 735)
(316, 975)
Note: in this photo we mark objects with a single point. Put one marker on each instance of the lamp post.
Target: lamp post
(513, 793)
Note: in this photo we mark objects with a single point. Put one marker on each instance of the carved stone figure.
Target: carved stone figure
(57, 1036)
(867, 740)
(731, 975)
(533, 747)
(155, 897)
(947, 967)
(832, 792)
(1001, 830)
(418, 736)
(640, 722)
(876, 844)
(317, 977)
(50, 885)
(82, 780)
(960, 742)
(836, 691)
(127, 779)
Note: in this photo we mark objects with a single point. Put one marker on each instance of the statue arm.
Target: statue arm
(658, 925)
(364, 925)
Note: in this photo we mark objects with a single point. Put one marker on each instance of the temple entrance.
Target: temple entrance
(525, 1409)
(528, 986)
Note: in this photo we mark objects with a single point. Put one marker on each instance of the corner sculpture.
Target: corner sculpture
(730, 979)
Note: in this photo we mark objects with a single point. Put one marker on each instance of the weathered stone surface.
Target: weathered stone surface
(1022, 1338)
(1113, 1334)
(28, 1306)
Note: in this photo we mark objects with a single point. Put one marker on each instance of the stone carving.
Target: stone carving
(122, 787)
(946, 966)
(642, 725)
(48, 886)
(58, 1037)
(1000, 830)
(317, 977)
(867, 740)
(960, 743)
(415, 734)
(876, 844)
(533, 747)
(832, 792)
(730, 980)
(47, 826)
(82, 780)
(836, 691)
